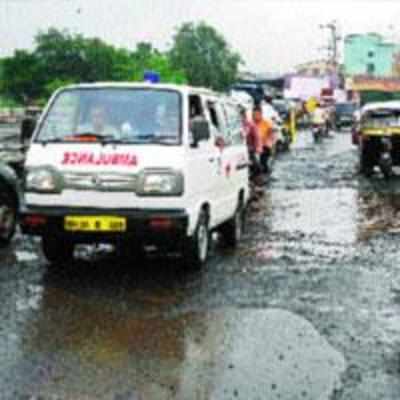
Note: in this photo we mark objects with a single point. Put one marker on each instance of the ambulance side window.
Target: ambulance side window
(225, 128)
(212, 111)
(235, 125)
(195, 107)
(196, 112)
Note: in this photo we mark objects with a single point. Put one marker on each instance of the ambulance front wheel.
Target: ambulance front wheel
(196, 248)
(57, 250)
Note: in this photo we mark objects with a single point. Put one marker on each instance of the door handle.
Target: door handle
(211, 159)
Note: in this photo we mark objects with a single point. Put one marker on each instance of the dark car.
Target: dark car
(32, 115)
(282, 107)
(344, 114)
(255, 90)
(9, 203)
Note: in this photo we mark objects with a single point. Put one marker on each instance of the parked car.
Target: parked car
(282, 107)
(136, 165)
(343, 115)
(9, 203)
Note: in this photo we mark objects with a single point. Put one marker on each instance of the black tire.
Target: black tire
(233, 230)
(366, 163)
(387, 171)
(8, 215)
(197, 247)
(58, 251)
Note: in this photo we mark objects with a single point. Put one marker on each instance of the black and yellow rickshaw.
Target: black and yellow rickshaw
(379, 137)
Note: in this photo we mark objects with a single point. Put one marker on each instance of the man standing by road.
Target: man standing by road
(267, 139)
(251, 135)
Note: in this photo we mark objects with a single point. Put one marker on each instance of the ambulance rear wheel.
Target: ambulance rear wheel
(232, 231)
(58, 251)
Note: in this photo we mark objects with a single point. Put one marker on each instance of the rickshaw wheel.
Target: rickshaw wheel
(366, 162)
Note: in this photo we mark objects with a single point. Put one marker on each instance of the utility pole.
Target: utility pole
(333, 43)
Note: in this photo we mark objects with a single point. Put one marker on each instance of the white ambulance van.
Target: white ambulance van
(136, 165)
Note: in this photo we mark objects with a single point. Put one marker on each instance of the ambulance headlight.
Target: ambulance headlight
(42, 180)
(160, 183)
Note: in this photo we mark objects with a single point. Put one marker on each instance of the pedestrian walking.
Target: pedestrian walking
(253, 141)
(267, 138)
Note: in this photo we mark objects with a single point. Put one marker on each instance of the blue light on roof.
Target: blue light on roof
(151, 77)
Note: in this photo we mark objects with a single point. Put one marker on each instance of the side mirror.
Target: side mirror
(28, 126)
(200, 130)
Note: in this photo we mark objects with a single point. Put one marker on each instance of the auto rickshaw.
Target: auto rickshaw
(379, 137)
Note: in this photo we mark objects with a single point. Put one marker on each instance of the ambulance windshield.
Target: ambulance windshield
(122, 115)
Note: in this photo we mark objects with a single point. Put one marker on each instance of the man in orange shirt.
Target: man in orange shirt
(266, 134)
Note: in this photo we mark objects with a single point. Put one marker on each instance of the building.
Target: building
(315, 68)
(370, 54)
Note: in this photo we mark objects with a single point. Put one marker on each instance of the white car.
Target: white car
(135, 165)
(244, 99)
(269, 112)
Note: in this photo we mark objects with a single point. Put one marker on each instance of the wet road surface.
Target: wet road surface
(306, 308)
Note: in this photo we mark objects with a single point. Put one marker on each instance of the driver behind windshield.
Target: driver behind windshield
(98, 123)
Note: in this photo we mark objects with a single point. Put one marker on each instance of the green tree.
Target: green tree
(52, 86)
(204, 56)
(73, 57)
(20, 78)
(62, 58)
(146, 58)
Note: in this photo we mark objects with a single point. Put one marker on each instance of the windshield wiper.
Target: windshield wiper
(77, 136)
(113, 140)
(50, 140)
(91, 135)
(165, 140)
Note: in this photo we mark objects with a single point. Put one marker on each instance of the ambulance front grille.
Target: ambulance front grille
(100, 181)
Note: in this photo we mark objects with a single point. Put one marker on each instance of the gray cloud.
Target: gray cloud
(271, 35)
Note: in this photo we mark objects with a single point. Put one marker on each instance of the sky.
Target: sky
(271, 35)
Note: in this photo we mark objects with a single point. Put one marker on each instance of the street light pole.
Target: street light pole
(333, 43)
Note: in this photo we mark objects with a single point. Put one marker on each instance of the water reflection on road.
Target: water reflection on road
(79, 346)
(322, 243)
(379, 213)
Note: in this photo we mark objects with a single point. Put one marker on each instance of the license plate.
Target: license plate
(95, 224)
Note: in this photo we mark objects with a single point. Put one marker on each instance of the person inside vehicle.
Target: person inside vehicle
(266, 134)
(196, 113)
(98, 122)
